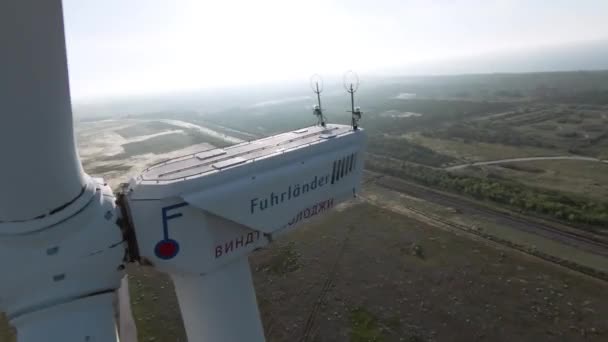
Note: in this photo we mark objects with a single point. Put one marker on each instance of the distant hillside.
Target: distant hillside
(571, 57)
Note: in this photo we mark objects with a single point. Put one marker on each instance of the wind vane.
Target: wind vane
(316, 83)
(351, 84)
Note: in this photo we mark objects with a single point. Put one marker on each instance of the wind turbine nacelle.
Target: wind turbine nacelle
(195, 213)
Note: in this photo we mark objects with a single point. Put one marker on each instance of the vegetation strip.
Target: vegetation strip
(546, 202)
(525, 249)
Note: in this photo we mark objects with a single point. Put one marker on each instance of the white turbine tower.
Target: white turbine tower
(196, 217)
(60, 249)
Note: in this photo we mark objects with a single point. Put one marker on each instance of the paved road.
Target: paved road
(525, 159)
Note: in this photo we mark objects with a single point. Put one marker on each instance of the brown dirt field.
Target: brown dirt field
(456, 290)
(368, 274)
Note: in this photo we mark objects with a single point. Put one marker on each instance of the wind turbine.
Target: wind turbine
(60, 249)
(65, 237)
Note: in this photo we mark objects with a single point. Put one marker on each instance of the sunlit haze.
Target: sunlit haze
(138, 47)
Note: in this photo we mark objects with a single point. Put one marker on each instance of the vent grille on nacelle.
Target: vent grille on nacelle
(343, 167)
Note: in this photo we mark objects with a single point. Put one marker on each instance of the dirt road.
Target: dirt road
(525, 159)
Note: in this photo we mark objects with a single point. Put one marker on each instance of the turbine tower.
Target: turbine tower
(60, 249)
(64, 237)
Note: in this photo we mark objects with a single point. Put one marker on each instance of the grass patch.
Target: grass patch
(510, 193)
(154, 304)
(479, 151)
(285, 261)
(580, 178)
(599, 149)
(522, 168)
(364, 326)
(406, 150)
(7, 333)
(417, 251)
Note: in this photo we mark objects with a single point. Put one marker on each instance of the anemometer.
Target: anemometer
(351, 85)
(316, 83)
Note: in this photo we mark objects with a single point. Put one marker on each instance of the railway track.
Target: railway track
(585, 241)
(578, 240)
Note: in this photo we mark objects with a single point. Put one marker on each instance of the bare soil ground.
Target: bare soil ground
(369, 274)
(416, 283)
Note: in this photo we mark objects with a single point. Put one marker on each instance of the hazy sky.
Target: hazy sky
(119, 47)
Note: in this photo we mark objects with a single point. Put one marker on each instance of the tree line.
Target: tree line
(555, 204)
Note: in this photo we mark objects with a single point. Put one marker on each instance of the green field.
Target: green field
(392, 277)
(471, 151)
(580, 178)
